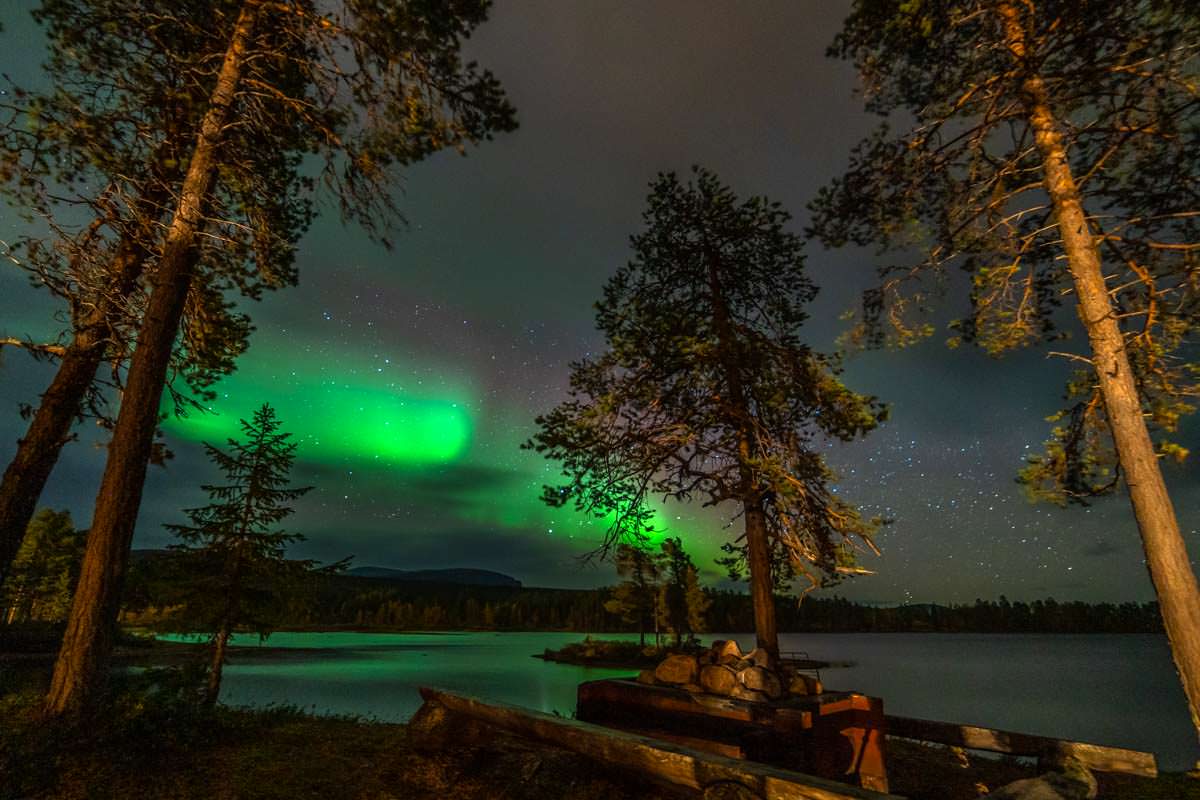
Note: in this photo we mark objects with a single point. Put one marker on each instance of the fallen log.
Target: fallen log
(664, 762)
(1049, 752)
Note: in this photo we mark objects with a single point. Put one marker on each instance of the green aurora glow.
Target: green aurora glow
(389, 437)
(347, 419)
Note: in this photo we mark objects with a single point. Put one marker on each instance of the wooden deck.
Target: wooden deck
(835, 735)
(669, 763)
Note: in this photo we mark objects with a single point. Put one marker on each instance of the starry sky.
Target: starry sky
(410, 377)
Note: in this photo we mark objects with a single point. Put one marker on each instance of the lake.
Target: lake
(1109, 689)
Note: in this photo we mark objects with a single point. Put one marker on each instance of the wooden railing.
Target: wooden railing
(1049, 752)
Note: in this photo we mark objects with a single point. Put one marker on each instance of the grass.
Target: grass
(155, 741)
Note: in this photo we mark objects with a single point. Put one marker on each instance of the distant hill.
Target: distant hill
(459, 576)
(464, 576)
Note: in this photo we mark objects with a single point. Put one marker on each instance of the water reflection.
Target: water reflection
(1115, 690)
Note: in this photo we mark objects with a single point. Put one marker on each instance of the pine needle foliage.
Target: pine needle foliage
(706, 391)
(952, 180)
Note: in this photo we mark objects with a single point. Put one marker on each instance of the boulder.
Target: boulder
(646, 676)
(718, 679)
(693, 688)
(761, 680)
(677, 669)
(1074, 782)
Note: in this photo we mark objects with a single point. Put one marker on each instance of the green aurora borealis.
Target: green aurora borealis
(335, 419)
(410, 377)
(375, 429)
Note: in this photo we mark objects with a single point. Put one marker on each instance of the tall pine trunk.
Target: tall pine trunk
(81, 669)
(758, 548)
(758, 557)
(50, 429)
(1164, 547)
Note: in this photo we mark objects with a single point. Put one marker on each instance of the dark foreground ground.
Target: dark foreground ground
(153, 741)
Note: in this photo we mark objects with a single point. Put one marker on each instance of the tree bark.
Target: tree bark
(216, 667)
(50, 429)
(82, 665)
(1166, 553)
(759, 560)
(758, 556)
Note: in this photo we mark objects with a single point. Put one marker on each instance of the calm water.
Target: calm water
(1116, 690)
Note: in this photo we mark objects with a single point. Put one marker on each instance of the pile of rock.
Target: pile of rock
(725, 670)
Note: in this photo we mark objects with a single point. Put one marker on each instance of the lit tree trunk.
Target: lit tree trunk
(215, 668)
(759, 561)
(83, 659)
(1165, 550)
(38, 451)
(758, 556)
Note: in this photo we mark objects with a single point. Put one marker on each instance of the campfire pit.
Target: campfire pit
(745, 706)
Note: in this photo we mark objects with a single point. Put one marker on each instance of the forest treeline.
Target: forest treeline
(341, 600)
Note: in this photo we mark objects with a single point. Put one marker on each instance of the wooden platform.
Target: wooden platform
(665, 762)
(834, 735)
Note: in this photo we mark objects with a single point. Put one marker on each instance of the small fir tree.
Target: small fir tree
(237, 554)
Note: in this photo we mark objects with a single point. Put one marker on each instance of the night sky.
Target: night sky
(410, 377)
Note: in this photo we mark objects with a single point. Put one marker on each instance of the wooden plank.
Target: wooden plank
(1046, 749)
(663, 761)
(792, 714)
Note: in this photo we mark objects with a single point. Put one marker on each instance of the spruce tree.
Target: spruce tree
(706, 391)
(235, 553)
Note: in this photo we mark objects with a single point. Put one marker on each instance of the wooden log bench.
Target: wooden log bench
(1049, 752)
(664, 762)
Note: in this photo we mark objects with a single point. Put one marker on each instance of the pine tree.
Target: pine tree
(45, 570)
(707, 392)
(682, 603)
(1048, 149)
(236, 554)
(635, 599)
(300, 95)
